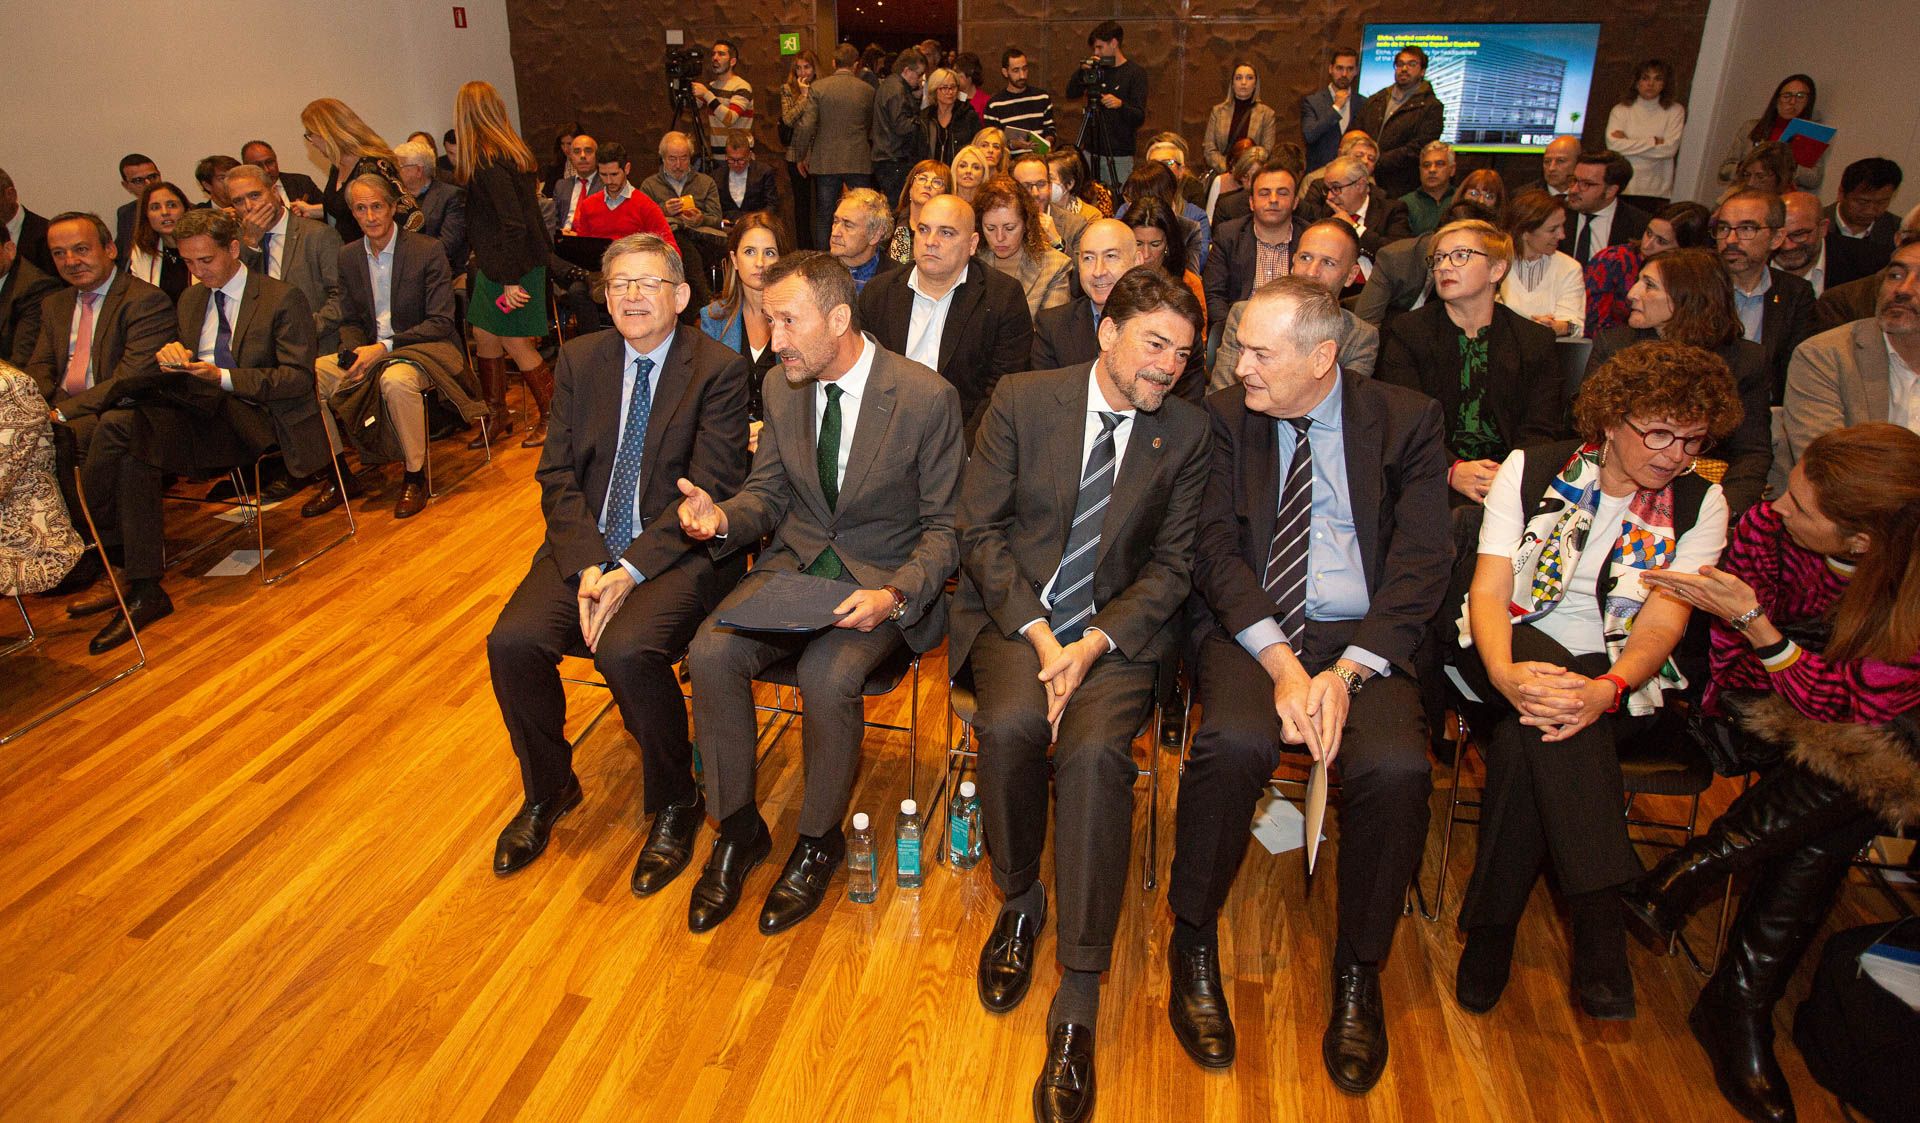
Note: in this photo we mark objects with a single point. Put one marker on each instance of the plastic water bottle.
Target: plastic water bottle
(906, 845)
(963, 829)
(862, 886)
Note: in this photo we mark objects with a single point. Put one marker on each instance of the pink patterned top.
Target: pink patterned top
(1796, 585)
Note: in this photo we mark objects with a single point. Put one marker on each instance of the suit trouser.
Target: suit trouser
(1557, 802)
(124, 471)
(1384, 776)
(1092, 773)
(403, 385)
(70, 446)
(541, 622)
(833, 669)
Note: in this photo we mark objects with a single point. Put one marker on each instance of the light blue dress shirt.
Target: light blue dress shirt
(659, 357)
(1752, 306)
(1336, 574)
(380, 273)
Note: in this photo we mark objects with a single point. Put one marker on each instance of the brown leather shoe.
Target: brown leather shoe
(493, 387)
(539, 382)
(413, 497)
(330, 495)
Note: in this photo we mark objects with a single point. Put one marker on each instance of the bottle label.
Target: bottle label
(909, 857)
(957, 827)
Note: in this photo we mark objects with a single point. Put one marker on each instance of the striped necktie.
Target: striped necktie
(1286, 577)
(1072, 607)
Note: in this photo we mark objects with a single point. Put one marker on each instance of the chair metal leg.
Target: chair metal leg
(1152, 878)
(26, 622)
(260, 526)
(119, 595)
(486, 445)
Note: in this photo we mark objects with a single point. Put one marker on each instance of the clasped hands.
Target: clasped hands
(1063, 667)
(1551, 698)
(1312, 708)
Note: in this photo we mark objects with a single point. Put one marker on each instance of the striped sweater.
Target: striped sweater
(1795, 586)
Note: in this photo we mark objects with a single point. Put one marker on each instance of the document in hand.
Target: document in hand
(1807, 139)
(789, 602)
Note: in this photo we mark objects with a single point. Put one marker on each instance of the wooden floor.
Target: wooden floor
(253, 883)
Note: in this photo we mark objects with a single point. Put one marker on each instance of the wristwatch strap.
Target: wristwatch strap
(1620, 689)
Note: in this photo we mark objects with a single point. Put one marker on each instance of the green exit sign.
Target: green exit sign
(790, 43)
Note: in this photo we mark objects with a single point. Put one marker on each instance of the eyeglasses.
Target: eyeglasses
(1743, 231)
(1795, 95)
(1480, 196)
(1456, 258)
(1332, 187)
(928, 179)
(144, 180)
(618, 287)
(1657, 439)
(1801, 237)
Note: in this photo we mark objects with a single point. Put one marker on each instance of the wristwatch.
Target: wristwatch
(1620, 689)
(1741, 622)
(899, 602)
(1350, 677)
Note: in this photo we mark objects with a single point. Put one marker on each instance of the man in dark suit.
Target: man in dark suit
(860, 492)
(290, 187)
(443, 206)
(636, 411)
(1597, 218)
(1401, 119)
(1064, 335)
(22, 287)
(1251, 251)
(395, 317)
(28, 230)
(950, 312)
(1077, 516)
(1861, 226)
(1345, 192)
(1776, 307)
(237, 380)
(299, 251)
(1327, 113)
(1344, 478)
(137, 173)
(746, 184)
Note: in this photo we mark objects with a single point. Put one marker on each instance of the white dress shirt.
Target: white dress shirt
(1089, 433)
(1340, 110)
(928, 321)
(233, 290)
(275, 264)
(1903, 390)
(853, 385)
(1599, 225)
(13, 227)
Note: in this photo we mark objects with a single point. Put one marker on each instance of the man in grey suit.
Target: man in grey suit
(1077, 518)
(861, 494)
(1846, 376)
(443, 206)
(831, 142)
(286, 247)
(1330, 254)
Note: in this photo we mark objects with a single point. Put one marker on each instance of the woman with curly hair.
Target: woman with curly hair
(1016, 244)
(1570, 649)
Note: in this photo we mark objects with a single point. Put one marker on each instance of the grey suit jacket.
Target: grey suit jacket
(1359, 347)
(706, 196)
(443, 215)
(1400, 280)
(129, 327)
(273, 399)
(1017, 501)
(893, 524)
(21, 294)
(1835, 379)
(310, 262)
(832, 136)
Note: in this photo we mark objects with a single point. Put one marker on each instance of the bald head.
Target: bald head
(1556, 163)
(944, 237)
(1107, 250)
(1803, 235)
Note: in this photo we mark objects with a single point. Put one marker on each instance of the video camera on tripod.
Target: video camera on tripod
(685, 65)
(1096, 77)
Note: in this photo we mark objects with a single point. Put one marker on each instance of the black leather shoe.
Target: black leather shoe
(1006, 960)
(81, 577)
(1739, 1042)
(1197, 1005)
(525, 837)
(669, 846)
(801, 888)
(144, 608)
(281, 488)
(718, 890)
(1355, 1044)
(1485, 965)
(1064, 1092)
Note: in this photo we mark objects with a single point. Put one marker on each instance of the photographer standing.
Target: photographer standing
(1116, 93)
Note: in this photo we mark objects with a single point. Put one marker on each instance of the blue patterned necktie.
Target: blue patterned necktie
(1072, 607)
(624, 488)
(266, 254)
(223, 336)
(1286, 576)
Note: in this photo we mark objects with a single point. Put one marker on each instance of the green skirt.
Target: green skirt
(527, 322)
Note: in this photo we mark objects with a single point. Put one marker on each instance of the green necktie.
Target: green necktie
(826, 459)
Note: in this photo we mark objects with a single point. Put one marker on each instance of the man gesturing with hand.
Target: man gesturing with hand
(853, 481)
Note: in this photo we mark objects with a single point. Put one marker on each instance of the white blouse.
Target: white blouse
(1553, 285)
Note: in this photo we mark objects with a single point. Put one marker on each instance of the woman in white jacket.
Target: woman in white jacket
(1645, 128)
(1544, 285)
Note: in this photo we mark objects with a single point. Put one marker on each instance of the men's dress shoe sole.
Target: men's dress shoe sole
(788, 905)
(503, 869)
(118, 631)
(656, 869)
(706, 922)
(996, 997)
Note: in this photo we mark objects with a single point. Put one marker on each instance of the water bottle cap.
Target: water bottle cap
(966, 789)
(860, 821)
(909, 807)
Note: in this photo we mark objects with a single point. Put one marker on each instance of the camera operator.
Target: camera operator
(1116, 93)
(725, 101)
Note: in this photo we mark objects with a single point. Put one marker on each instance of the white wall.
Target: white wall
(1858, 51)
(87, 83)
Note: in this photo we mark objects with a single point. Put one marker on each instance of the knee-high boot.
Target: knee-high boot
(1782, 811)
(539, 382)
(493, 386)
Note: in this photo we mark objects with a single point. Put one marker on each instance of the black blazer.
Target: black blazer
(123, 227)
(422, 294)
(1629, 222)
(1016, 507)
(129, 328)
(1849, 259)
(698, 429)
(273, 399)
(762, 195)
(1401, 136)
(931, 142)
(21, 292)
(1388, 219)
(504, 225)
(1231, 265)
(32, 242)
(300, 188)
(988, 332)
(1421, 351)
(443, 216)
(1748, 451)
(1785, 322)
(1397, 475)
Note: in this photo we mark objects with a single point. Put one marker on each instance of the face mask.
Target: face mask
(1057, 193)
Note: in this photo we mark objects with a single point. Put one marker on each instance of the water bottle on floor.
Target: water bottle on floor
(963, 828)
(862, 886)
(906, 845)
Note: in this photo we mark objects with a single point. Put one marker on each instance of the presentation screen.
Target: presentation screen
(1507, 87)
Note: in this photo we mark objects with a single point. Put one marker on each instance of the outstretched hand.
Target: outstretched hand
(700, 517)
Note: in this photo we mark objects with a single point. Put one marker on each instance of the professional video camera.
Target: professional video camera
(1096, 77)
(685, 65)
